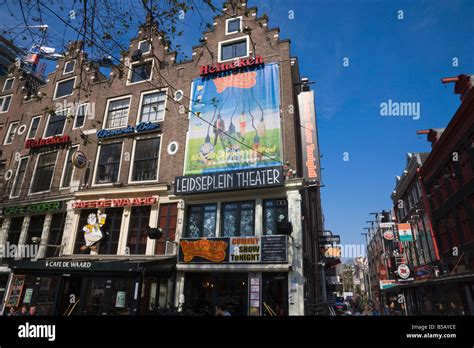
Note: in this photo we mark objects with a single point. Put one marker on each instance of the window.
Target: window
(141, 72)
(15, 230)
(117, 113)
(80, 116)
(145, 162)
(153, 107)
(68, 168)
(35, 227)
(55, 234)
(35, 121)
(232, 50)
(11, 133)
(167, 222)
(69, 67)
(144, 46)
(44, 172)
(137, 237)
(20, 174)
(109, 163)
(56, 123)
(111, 231)
(465, 165)
(233, 25)
(274, 211)
(64, 88)
(5, 103)
(238, 219)
(8, 84)
(201, 221)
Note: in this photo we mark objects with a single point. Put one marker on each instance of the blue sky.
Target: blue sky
(402, 60)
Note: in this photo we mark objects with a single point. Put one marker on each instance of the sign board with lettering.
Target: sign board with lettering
(55, 141)
(112, 203)
(129, 130)
(228, 181)
(15, 292)
(309, 138)
(42, 207)
(265, 249)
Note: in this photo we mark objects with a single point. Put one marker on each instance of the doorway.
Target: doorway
(274, 294)
(69, 298)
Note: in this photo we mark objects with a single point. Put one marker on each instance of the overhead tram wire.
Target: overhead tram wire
(172, 87)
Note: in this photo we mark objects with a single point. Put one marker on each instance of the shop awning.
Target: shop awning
(99, 263)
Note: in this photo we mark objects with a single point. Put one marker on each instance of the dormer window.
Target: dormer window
(8, 84)
(64, 88)
(232, 49)
(144, 46)
(141, 72)
(69, 67)
(233, 25)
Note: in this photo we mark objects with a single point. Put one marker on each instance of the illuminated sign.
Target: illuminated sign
(231, 66)
(48, 142)
(112, 203)
(142, 127)
(33, 208)
(79, 159)
(211, 250)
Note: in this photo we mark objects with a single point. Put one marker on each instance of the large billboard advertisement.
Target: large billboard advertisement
(234, 121)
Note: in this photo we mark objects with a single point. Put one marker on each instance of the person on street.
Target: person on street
(221, 311)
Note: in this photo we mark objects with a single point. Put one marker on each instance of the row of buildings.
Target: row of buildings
(424, 248)
(166, 184)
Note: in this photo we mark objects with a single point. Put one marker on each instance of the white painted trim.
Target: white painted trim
(240, 38)
(47, 124)
(3, 98)
(56, 88)
(5, 84)
(8, 132)
(85, 115)
(31, 124)
(149, 50)
(130, 172)
(61, 187)
(171, 153)
(106, 115)
(34, 173)
(73, 68)
(139, 115)
(99, 149)
(16, 176)
(227, 24)
(130, 71)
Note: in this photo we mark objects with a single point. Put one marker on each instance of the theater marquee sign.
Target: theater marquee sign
(265, 249)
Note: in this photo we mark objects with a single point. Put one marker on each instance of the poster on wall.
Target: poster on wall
(234, 121)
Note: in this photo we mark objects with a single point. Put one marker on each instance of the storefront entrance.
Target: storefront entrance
(203, 291)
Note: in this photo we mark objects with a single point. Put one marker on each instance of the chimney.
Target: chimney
(463, 84)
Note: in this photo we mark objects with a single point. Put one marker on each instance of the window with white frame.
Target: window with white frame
(81, 116)
(233, 25)
(11, 132)
(64, 88)
(69, 67)
(34, 125)
(20, 175)
(141, 72)
(108, 165)
(8, 84)
(145, 159)
(153, 107)
(68, 168)
(117, 113)
(56, 123)
(233, 49)
(5, 103)
(144, 46)
(44, 171)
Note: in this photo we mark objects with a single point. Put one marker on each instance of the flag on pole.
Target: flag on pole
(404, 232)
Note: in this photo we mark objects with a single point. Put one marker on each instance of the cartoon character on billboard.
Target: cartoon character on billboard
(92, 231)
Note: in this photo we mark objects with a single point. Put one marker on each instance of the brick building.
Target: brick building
(209, 151)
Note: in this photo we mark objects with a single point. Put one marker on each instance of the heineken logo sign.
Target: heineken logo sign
(48, 142)
(231, 66)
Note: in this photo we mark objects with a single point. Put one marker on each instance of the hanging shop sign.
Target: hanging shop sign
(309, 138)
(404, 232)
(331, 252)
(229, 181)
(335, 239)
(383, 273)
(387, 224)
(388, 235)
(234, 66)
(423, 272)
(113, 203)
(403, 272)
(386, 284)
(234, 250)
(79, 159)
(42, 207)
(55, 141)
(234, 122)
(140, 128)
(15, 292)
